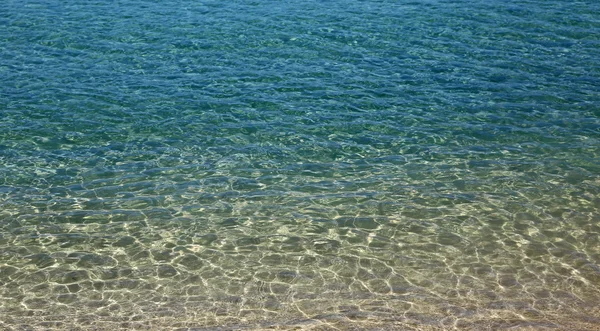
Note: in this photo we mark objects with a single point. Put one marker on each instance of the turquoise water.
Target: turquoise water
(308, 164)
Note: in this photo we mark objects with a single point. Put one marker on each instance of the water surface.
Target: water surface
(315, 164)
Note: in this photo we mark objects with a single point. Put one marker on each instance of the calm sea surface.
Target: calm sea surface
(316, 164)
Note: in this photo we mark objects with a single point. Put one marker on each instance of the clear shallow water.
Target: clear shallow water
(373, 164)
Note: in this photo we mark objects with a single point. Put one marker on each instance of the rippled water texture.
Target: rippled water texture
(313, 164)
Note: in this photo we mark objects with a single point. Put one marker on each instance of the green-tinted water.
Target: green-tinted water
(372, 164)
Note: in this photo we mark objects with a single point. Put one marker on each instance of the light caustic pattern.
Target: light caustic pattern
(251, 165)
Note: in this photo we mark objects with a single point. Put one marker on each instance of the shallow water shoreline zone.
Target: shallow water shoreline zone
(253, 165)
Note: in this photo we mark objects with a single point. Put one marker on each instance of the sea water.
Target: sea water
(299, 164)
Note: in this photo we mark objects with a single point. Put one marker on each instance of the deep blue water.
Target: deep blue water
(315, 164)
